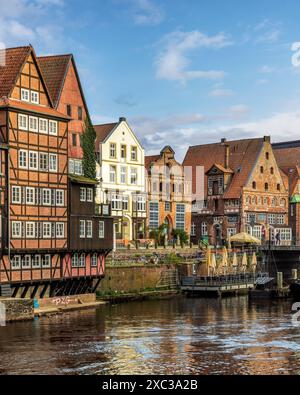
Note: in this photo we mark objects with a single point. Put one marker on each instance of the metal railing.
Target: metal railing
(247, 278)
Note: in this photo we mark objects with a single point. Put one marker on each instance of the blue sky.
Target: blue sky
(182, 72)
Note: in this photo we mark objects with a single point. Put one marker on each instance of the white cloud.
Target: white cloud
(219, 92)
(173, 63)
(267, 69)
(146, 12)
(267, 32)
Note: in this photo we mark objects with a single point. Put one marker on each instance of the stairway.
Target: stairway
(5, 291)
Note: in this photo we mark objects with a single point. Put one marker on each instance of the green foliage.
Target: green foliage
(89, 151)
(184, 237)
(173, 258)
(159, 234)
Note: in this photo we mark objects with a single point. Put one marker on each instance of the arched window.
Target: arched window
(282, 202)
(266, 186)
(266, 201)
(253, 200)
(278, 187)
(204, 229)
(267, 155)
(254, 185)
(272, 170)
(274, 202)
(261, 169)
(247, 199)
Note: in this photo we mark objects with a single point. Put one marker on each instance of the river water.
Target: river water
(178, 336)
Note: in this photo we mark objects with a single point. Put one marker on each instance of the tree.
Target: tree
(89, 150)
(158, 234)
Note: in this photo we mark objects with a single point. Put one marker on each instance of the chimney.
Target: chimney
(223, 140)
(267, 139)
(227, 153)
(122, 119)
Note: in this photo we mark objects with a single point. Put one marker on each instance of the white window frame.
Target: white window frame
(180, 217)
(16, 190)
(42, 130)
(30, 230)
(33, 154)
(36, 261)
(34, 94)
(82, 194)
(133, 153)
(30, 195)
(53, 169)
(112, 174)
(75, 260)
(26, 262)
(82, 229)
(47, 226)
(15, 235)
(78, 167)
(46, 192)
(153, 215)
(71, 166)
(21, 118)
(43, 155)
(101, 229)
(89, 229)
(30, 128)
(133, 172)
(23, 160)
(89, 194)
(93, 263)
(46, 261)
(60, 230)
(82, 260)
(14, 265)
(50, 129)
(60, 197)
(193, 229)
(123, 175)
(25, 92)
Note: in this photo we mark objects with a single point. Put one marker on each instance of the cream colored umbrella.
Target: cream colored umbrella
(254, 262)
(235, 262)
(208, 259)
(244, 262)
(213, 263)
(225, 260)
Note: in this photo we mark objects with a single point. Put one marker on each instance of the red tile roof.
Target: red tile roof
(242, 157)
(54, 69)
(34, 108)
(102, 131)
(150, 159)
(287, 154)
(14, 59)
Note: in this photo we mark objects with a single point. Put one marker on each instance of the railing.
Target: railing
(217, 281)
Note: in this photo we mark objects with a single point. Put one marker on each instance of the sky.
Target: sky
(183, 72)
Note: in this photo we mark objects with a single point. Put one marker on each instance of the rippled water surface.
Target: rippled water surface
(183, 336)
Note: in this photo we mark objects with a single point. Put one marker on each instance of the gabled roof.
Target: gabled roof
(287, 154)
(242, 157)
(55, 69)
(14, 61)
(103, 131)
(221, 168)
(151, 159)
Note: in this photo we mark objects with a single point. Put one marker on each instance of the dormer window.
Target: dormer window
(25, 95)
(34, 97)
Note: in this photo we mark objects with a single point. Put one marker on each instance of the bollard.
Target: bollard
(294, 274)
(279, 280)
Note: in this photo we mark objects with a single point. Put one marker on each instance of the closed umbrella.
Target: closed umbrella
(244, 262)
(213, 263)
(225, 260)
(235, 262)
(254, 262)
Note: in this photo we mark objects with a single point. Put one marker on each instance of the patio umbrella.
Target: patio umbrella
(235, 262)
(254, 262)
(213, 263)
(244, 238)
(244, 262)
(225, 260)
(208, 259)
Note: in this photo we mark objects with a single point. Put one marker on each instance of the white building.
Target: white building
(121, 174)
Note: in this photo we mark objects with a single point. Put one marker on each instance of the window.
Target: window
(280, 219)
(267, 155)
(134, 153)
(274, 202)
(94, 260)
(261, 217)
(231, 232)
(30, 195)
(81, 140)
(75, 260)
(46, 197)
(36, 261)
(125, 202)
(271, 219)
(82, 194)
(53, 127)
(261, 169)
(46, 261)
(112, 150)
(35, 97)
(89, 229)
(23, 159)
(23, 122)
(71, 166)
(60, 230)
(25, 95)
(193, 229)
(43, 126)
(254, 185)
(60, 197)
(282, 203)
(30, 230)
(43, 162)
(116, 202)
(69, 110)
(16, 262)
(257, 231)
(33, 160)
(89, 195)
(133, 176)
(78, 167)
(80, 113)
(154, 215)
(285, 234)
(204, 229)
(53, 162)
(180, 216)
(16, 194)
(16, 229)
(82, 229)
(123, 175)
(272, 170)
(123, 151)
(33, 124)
(82, 260)
(266, 186)
(101, 229)
(167, 206)
(47, 230)
(112, 174)
(141, 203)
(278, 187)
(74, 139)
(26, 262)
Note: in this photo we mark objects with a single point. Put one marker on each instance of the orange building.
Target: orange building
(169, 194)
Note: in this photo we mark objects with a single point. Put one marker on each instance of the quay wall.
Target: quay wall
(18, 309)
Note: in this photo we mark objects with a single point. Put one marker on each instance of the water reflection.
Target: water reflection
(202, 336)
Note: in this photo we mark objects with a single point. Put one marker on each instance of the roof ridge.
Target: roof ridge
(104, 124)
(55, 56)
(19, 47)
(226, 142)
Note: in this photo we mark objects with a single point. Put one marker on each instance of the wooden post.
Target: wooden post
(279, 280)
